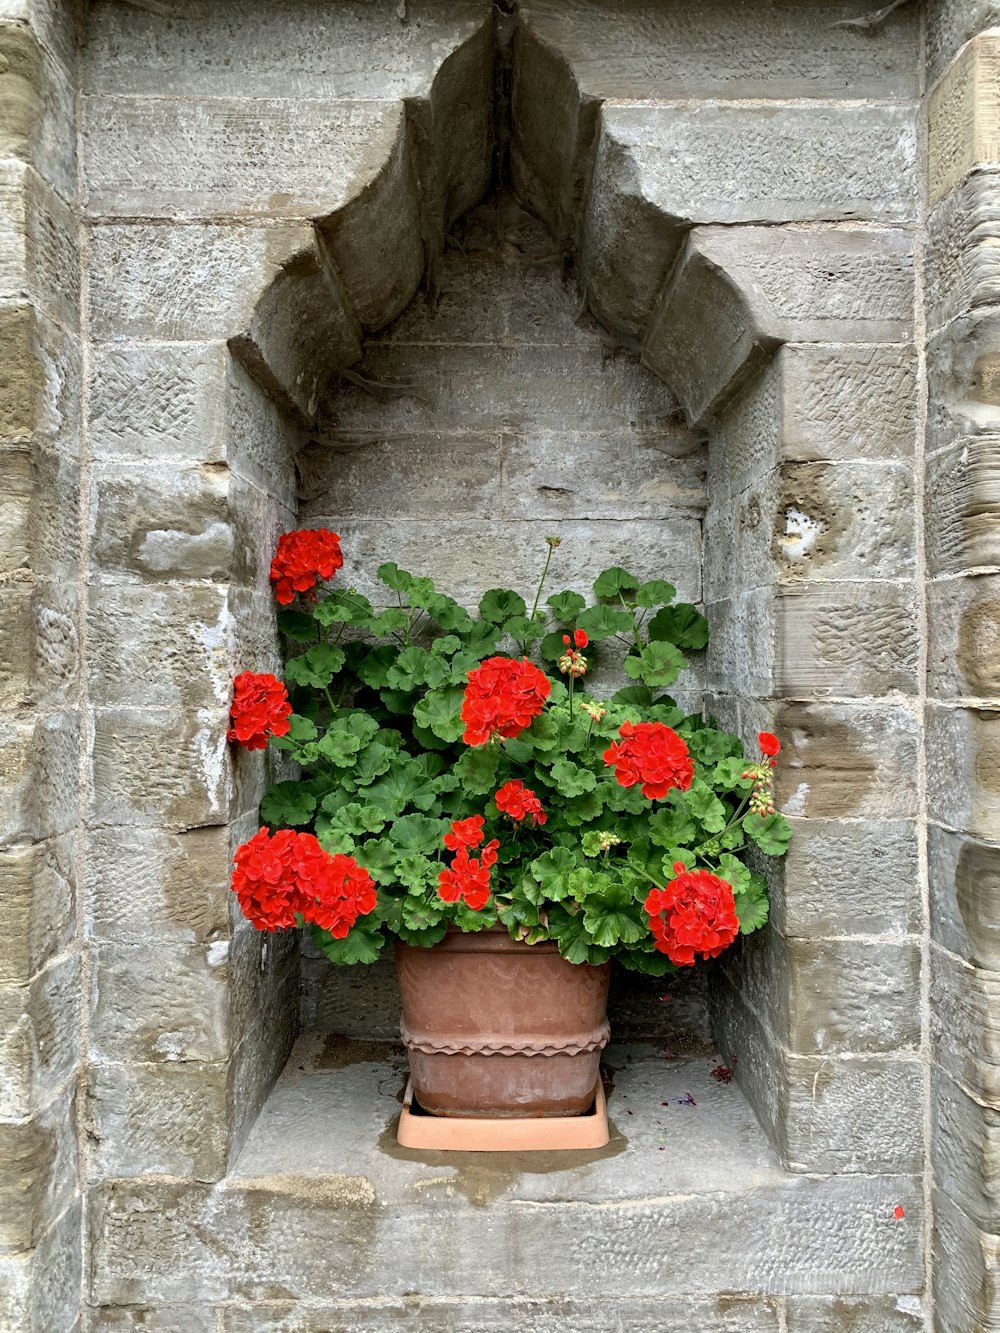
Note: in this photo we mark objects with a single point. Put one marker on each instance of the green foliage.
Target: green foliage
(377, 732)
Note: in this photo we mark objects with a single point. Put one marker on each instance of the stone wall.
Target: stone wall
(733, 197)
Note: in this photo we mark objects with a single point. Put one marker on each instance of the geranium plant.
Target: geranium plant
(455, 771)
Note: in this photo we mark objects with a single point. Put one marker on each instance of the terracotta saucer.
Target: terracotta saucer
(417, 1129)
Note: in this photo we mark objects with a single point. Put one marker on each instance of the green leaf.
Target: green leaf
(343, 608)
(575, 943)
(374, 667)
(390, 621)
(439, 710)
(601, 622)
(446, 646)
(399, 580)
(670, 826)
(543, 732)
(735, 873)
(570, 779)
(378, 857)
(409, 669)
(359, 945)
(771, 833)
(611, 582)
(481, 638)
(682, 625)
(345, 737)
(287, 804)
(447, 613)
(703, 805)
(614, 918)
(552, 646)
(357, 819)
(651, 963)
(317, 667)
(657, 664)
(415, 872)
(638, 696)
(422, 913)
(373, 761)
(297, 625)
(751, 913)
(566, 606)
(591, 843)
(334, 841)
(423, 939)
(551, 871)
(476, 770)
(728, 774)
(418, 833)
(500, 604)
(655, 593)
(406, 782)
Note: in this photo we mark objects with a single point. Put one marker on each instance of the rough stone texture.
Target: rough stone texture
(965, 1289)
(964, 1026)
(962, 272)
(963, 117)
(965, 887)
(962, 782)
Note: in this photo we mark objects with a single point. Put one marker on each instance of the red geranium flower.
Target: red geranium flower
(653, 754)
(302, 560)
(694, 913)
(502, 697)
(520, 802)
(260, 709)
(465, 833)
(468, 877)
(768, 742)
(288, 875)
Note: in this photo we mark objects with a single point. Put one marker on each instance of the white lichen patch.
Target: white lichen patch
(796, 803)
(800, 535)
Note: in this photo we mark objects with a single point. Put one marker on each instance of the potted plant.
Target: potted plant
(463, 795)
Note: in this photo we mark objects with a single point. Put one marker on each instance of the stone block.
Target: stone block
(962, 270)
(743, 642)
(261, 443)
(724, 1314)
(162, 1319)
(964, 1034)
(829, 997)
(39, 515)
(159, 646)
(157, 1119)
(736, 293)
(856, 1314)
(214, 157)
(37, 108)
(161, 522)
(964, 879)
(254, 629)
(355, 1002)
(38, 1171)
(158, 401)
(257, 521)
(846, 760)
(963, 628)
(963, 777)
(465, 559)
(180, 283)
(963, 506)
(963, 380)
(963, 116)
(265, 1047)
(950, 23)
(40, 1291)
(159, 1004)
(38, 904)
(261, 968)
(173, 884)
(770, 52)
(844, 876)
(965, 1152)
(39, 622)
(168, 769)
(356, 51)
(41, 1037)
(40, 386)
(966, 1297)
(39, 777)
(39, 258)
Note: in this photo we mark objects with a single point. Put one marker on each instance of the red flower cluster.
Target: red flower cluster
(303, 558)
(520, 802)
(769, 743)
(653, 754)
(468, 877)
(502, 697)
(580, 639)
(698, 916)
(260, 709)
(288, 875)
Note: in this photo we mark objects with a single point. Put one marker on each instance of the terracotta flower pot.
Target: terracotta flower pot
(496, 1028)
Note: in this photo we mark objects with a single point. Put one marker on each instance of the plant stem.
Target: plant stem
(541, 582)
(635, 630)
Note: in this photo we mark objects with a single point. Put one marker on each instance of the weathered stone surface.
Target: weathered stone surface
(39, 777)
(159, 1003)
(41, 1290)
(841, 872)
(38, 904)
(39, 621)
(168, 769)
(192, 283)
(965, 1151)
(38, 1171)
(963, 658)
(39, 514)
(737, 292)
(964, 1031)
(856, 1314)
(37, 108)
(40, 389)
(963, 380)
(962, 270)
(965, 1288)
(262, 442)
(184, 878)
(726, 1314)
(159, 646)
(39, 259)
(356, 51)
(950, 23)
(963, 117)
(159, 521)
(158, 1319)
(963, 777)
(465, 558)
(963, 506)
(156, 1119)
(154, 157)
(40, 1045)
(965, 896)
(830, 996)
(266, 1044)
(158, 402)
(257, 520)
(846, 760)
